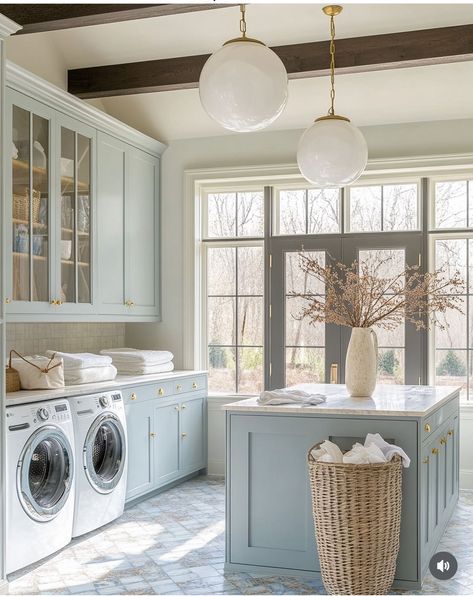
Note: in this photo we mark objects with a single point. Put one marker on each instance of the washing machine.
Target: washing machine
(40, 481)
(101, 458)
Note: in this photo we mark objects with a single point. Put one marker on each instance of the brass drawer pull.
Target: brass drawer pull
(435, 451)
(152, 435)
(176, 408)
(183, 407)
(194, 385)
(183, 435)
(427, 428)
(133, 396)
(425, 460)
(443, 441)
(161, 391)
(129, 303)
(178, 387)
(450, 433)
(7, 300)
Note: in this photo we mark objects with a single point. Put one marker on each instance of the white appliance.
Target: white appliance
(101, 459)
(40, 481)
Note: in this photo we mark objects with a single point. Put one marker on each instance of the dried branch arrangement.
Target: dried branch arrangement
(362, 295)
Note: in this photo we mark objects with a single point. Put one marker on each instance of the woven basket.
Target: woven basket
(21, 206)
(12, 378)
(357, 517)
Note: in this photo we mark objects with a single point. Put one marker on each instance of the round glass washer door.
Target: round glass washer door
(104, 453)
(45, 473)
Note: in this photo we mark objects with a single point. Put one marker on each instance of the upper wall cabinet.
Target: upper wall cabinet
(128, 242)
(82, 217)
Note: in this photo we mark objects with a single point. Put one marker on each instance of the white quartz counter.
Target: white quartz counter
(26, 397)
(387, 400)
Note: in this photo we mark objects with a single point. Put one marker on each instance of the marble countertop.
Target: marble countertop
(33, 396)
(387, 400)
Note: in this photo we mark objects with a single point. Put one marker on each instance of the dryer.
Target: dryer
(101, 456)
(40, 481)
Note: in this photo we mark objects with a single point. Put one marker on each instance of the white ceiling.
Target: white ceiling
(413, 94)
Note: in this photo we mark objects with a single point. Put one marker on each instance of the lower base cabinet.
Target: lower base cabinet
(166, 439)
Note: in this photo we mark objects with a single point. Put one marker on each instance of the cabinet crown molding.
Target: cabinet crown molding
(28, 83)
(7, 27)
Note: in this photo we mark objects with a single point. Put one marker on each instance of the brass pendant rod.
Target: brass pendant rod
(243, 20)
(332, 11)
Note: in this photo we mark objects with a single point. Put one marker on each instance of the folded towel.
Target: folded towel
(93, 374)
(289, 396)
(132, 369)
(131, 355)
(375, 450)
(82, 360)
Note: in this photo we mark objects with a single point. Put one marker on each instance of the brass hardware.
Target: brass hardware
(178, 387)
(334, 373)
(129, 303)
(54, 302)
(161, 391)
(443, 441)
(194, 385)
(7, 300)
(450, 433)
(60, 303)
(425, 460)
(183, 407)
(176, 408)
(133, 396)
(332, 11)
(152, 435)
(427, 428)
(243, 29)
(435, 451)
(183, 435)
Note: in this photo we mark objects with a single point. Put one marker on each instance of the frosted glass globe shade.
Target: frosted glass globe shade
(332, 153)
(243, 86)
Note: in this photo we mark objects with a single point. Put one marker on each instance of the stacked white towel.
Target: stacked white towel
(130, 361)
(83, 368)
(290, 396)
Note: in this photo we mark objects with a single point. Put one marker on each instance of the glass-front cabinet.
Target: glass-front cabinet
(50, 186)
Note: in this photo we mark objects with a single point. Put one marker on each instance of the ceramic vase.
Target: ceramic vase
(361, 362)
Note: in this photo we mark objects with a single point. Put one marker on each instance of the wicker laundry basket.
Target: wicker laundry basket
(357, 517)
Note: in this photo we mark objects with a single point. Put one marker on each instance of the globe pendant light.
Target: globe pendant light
(332, 152)
(243, 85)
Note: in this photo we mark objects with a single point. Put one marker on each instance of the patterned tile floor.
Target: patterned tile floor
(173, 543)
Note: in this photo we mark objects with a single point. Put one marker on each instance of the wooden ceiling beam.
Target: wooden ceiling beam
(355, 54)
(37, 18)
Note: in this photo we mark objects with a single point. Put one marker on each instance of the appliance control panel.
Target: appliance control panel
(90, 405)
(112, 400)
(23, 417)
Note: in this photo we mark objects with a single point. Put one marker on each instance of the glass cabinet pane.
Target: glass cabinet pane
(75, 217)
(30, 206)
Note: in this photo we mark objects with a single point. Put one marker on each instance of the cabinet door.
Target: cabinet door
(30, 211)
(167, 443)
(142, 233)
(192, 435)
(140, 425)
(111, 223)
(75, 216)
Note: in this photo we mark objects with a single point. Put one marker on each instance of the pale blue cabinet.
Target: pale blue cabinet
(269, 511)
(128, 241)
(166, 433)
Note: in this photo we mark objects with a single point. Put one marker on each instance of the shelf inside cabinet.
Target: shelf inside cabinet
(80, 263)
(41, 174)
(26, 255)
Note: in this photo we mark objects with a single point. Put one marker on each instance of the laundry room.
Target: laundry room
(236, 298)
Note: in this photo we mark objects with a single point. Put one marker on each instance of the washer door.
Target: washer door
(104, 453)
(44, 473)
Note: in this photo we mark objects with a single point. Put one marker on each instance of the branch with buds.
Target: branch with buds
(361, 295)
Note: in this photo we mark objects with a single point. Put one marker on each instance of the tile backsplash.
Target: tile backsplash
(36, 338)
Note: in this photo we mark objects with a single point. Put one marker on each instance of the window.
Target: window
(235, 292)
(307, 211)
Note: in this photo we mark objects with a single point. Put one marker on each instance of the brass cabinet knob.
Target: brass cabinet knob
(194, 385)
(425, 460)
(129, 303)
(152, 435)
(450, 433)
(183, 407)
(178, 387)
(435, 451)
(54, 302)
(133, 396)
(7, 300)
(183, 435)
(443, 441)
(427, 428)
(161, 391)
(176, 408)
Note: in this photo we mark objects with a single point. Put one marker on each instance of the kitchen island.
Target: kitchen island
(269, 525)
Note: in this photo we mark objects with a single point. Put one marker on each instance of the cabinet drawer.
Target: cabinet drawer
(430, 424)
(138, 394)
(190, 385)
